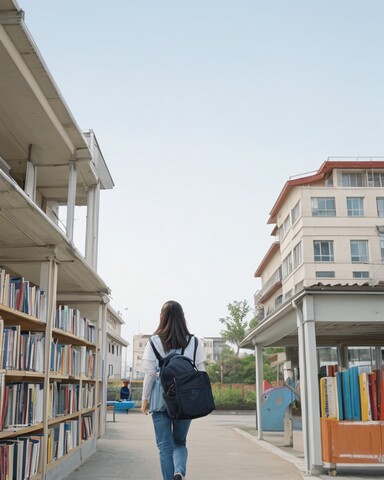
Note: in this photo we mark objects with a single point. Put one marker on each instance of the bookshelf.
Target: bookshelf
(54, 374)
(59, 380)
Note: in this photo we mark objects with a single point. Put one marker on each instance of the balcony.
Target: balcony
(271, 286)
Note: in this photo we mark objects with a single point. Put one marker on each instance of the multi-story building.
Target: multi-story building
(329, 228)
(138, 346)
(213, 347)
(321, 282)
(117, 346)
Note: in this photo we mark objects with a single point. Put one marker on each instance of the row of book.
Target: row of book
(63, 399)
(21, 404)
(88, 395)
(69, 320)
(72, 360)
(356, 394)
(21, 350)
(20, 457)
(62, 438)
(22, 295)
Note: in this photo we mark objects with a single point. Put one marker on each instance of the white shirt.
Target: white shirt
(150, 363)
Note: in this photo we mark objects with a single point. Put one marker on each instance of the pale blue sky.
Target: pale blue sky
(203, 109)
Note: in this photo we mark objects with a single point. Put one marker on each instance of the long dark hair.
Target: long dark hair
(172, 329)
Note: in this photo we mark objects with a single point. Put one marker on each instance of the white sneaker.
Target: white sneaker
(178, 476)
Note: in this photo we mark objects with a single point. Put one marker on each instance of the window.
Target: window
(360, 274)
(323, 206)
(295, 212)
(285, 227)
(288, 294)
(355, 206)
(323, 251)
(325, 274)
(375, 179)
(110, 370)
(352, 179)
(297, 255)
(113, 349)
(359, 251)
(380, 206)
(286, 266)
(278, 301)
(382, 248)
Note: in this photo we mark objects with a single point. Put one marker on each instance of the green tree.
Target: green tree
(235, 323)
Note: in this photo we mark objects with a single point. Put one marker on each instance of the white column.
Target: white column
(30, 181)
(48, 282)
(71, 200)
(259, 387)
(312, 385)
(91, 240)
(303, 385)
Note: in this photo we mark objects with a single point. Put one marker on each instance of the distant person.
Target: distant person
(172, 334)
(125, 394)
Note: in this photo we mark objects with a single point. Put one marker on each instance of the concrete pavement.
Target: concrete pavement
(221, 446)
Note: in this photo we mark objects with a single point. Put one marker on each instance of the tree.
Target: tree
(235, 323)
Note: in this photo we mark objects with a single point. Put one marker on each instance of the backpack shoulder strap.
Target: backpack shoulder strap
(155, 351)
(195, 349)
(189, 340)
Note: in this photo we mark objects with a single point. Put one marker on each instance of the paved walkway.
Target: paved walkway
(220, 446)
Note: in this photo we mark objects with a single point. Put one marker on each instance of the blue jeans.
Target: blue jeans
(171, 438)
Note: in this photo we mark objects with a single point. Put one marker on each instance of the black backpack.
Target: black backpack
(187, 390)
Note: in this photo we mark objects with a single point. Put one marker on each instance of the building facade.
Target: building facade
(213, 347)
(117, 346)
(138, 346)
(329, 228)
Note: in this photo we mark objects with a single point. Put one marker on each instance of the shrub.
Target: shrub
(228, 397)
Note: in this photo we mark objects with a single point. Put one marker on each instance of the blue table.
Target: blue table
(124, 405)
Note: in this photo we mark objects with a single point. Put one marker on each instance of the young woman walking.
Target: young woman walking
(171, 335)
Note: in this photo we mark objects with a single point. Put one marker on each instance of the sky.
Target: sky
(203, 109)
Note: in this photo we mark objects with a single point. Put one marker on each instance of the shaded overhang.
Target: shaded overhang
(35, 122)
(23, 250)
(348, 315)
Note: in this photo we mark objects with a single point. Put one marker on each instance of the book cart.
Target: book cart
(327, 316)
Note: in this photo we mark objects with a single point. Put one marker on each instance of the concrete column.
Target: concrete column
(312, 386)
(30, 181)
(71, 200)
(91, 240)
(259, 387)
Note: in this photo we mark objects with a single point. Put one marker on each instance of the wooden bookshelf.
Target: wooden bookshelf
(60, 436)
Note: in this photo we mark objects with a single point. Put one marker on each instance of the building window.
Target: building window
(382, 248)
(325, 274)
(360, 274)
(323, 206)
(352, 179)
(380, 206)
(355, 206)
(323, 251)
(295, 212)
(278, 301)
(288, 294)
(297, 255)
(117, 350)
(113, 349)
(375, 179)
(109, 347)
(286, 267)
(285, 227)
(110, 370)
(359, 251)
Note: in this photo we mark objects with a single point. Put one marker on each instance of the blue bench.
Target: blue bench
(124, 405)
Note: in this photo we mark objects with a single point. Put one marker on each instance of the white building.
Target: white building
(322, 279)
(117, 346)
(139, 343)
(213, 347)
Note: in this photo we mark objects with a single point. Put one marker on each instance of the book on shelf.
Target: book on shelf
(355, 394)
(20, 294)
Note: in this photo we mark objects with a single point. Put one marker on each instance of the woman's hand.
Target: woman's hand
(145, 406)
